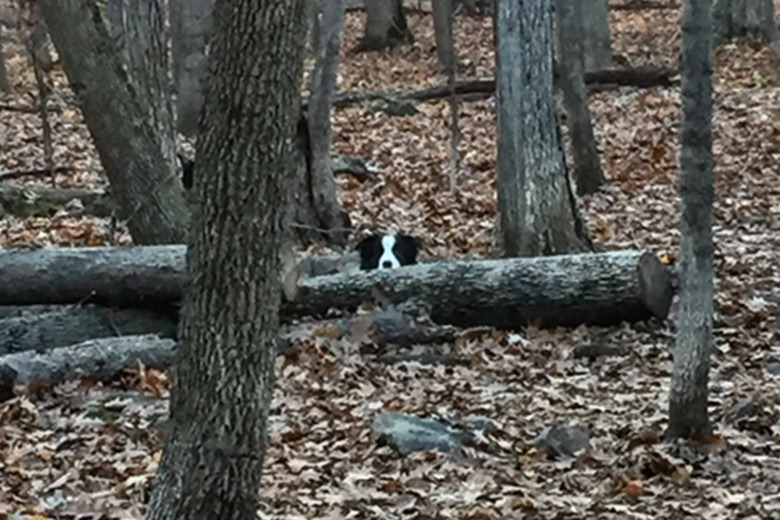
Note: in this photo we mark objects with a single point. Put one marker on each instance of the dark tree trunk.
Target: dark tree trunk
(125, 116)
(537, 213)
(385, 25)
(596, 39)
(330, 217)
(688, 416)
(585, 154)
(442, 25)
(5, 85)
(191, 27)
(751, 19)
(213, 458)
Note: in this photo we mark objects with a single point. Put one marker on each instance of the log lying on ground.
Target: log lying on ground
(101, 359)
(568, 290)
(69, 327)
(26, 201)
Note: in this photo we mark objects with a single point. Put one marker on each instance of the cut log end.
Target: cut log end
(655, 285)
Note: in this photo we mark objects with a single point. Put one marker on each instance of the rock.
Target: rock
(408, 434)
(744, 408)
(562, 441)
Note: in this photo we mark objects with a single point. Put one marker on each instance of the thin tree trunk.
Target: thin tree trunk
(331, 218)
(385, 25)
(126, 117)
(213, 458)
(442, 24)
(596, 38)
(688, 397)
(5, 85)
(537, 211)
(585, 154)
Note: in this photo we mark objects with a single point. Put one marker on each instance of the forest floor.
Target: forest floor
(83, 450)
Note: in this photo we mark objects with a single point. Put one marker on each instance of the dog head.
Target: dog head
(387, 251)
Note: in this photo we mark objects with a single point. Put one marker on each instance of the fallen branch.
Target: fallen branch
(604, 288)
(26, 201)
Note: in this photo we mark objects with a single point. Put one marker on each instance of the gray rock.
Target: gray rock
(408, 434)
(563, 441)
(744, 408)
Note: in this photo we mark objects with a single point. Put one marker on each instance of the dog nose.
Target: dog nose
(387, 264)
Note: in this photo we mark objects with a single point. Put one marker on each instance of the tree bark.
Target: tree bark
(585, 155)
(27, 201)
(191, 26)
(442, 26)
(751, 19)
(688, 416)
(331, 218)
(69, 327)
(5, 85)
(385, 25)
(213, 457)
(537, 214)
(125, 116)
(596, 40)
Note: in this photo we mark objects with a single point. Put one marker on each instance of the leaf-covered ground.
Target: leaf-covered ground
(87, 449)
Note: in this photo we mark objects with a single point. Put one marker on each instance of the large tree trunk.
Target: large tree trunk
(507, 293)
(331, 218)
(385, 25)
(191, 27)
(596, 38)
(213, 458)
(688, 415)
(125, 116)
(752, 19)
(537, 214)
(585, 155)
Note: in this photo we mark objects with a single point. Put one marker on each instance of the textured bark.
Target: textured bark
(751, 19)
(125, 113)
(585, 155)
(191, 26)
(330, 217)
(603, 288)
(100, 359)
(68, 327)
(385, 25)
(596, 39)
(5, 85)
(442, 25)
(213, 458)
(25, 201)
(536, 210)
(688, 415)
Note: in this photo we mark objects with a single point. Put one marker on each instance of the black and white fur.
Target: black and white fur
(387, 251)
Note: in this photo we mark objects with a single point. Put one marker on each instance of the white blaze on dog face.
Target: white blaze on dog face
(388, 259)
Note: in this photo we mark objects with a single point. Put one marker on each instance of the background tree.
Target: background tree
(688, 398)
(213, 457)
(752, 19)
(133, 137)
(386, 25)
(191, 27)
(597, 37)
(442, 25)
(5, 85)
(585, 154)
(537, 214)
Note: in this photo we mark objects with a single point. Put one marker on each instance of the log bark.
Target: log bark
(69, 327)
(28, 201)
(604, 288)
(100, 360)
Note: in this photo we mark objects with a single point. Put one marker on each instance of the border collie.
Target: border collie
(387, 251)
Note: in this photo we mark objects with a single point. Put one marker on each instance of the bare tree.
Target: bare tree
(212, 462)
(319, 183)
(597, 37)
(585, 155)
(442, 25)
(751, 19)
(537, 213)
(5, 85)
(385, 25)
(127, 114)
(688, 415)
(191, 27)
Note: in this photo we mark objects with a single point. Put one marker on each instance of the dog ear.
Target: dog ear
(411, 245)
(366, 243)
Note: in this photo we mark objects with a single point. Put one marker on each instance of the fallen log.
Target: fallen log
(69, 327)
(100, 360)
(568, 290)
(28, 201)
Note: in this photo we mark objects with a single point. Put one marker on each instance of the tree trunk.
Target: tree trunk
(191, 27)
(596, 38)
(126, 117)
(5, 85)
(445, 44)
(537, 214)
(585, 155)
(331, 218)
(385, 25)
(622, 285)
(751, 19)
(213, 458)
(688, 415)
